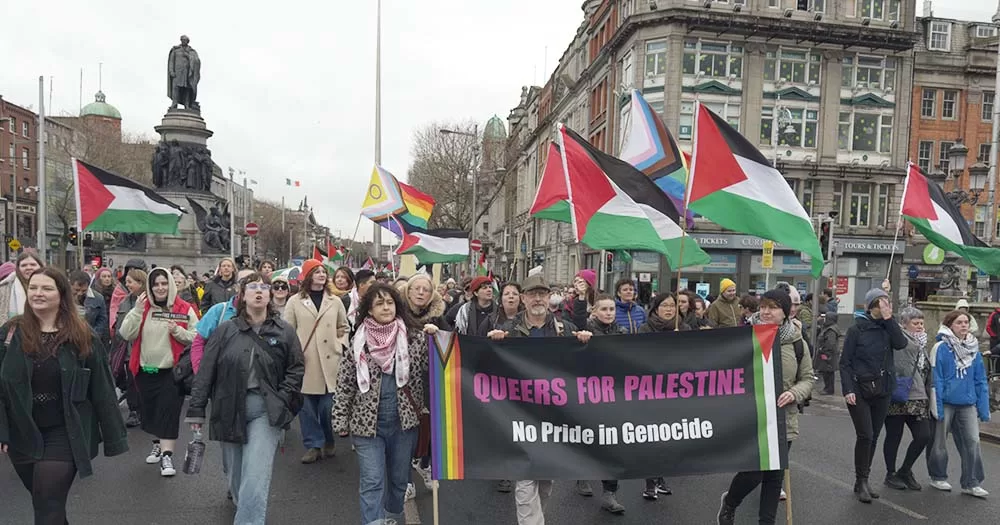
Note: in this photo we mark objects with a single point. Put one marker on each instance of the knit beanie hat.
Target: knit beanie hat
(781, 299)
(873, 295)
(588, 275)
(726, 284)
(307, 266)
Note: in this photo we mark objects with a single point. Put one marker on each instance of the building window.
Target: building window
(24, 158)
(882, 218)
(12, 125)
(838, 202)
(864, 132)
(12, 154)
(948, 104)
(894, 8)
(655, 102)
(943, 155)
(713, 59)
(928, 100)
(861, 197)
(656, 58)
(25, 129)
(925, 151)
(730, 111)
(984, 152)
(871, 72)
(628, 79)
(807, 197)
(979, 228)
(774, 4)
(874, 9)
(985, 31)
(805, 122)
(796, 67)
(989, 98)
(940, 37)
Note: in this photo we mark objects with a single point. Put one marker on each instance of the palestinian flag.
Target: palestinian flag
(610, 204)
(108, 203)
(369, 264)
(734, 185)
(436, 246)
(934, 215)
(481, 268)
(767, 357)
(319, 254)
(334, 253)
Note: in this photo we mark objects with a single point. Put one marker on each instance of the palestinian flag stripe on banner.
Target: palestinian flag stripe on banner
(932, 213)
(733, 185)
(108, 203)
(764, 361)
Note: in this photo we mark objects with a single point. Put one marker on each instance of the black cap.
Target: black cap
(781, 298)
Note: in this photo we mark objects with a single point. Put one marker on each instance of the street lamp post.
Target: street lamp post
(475, 174)
(992, 219)
(781, 125)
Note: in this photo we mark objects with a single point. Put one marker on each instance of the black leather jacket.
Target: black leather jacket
(225, 370)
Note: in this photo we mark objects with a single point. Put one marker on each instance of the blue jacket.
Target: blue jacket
(97, 315)
(629, 316)
(215, 316)
(972, 389)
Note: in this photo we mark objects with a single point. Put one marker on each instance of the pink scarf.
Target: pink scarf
(388, 348)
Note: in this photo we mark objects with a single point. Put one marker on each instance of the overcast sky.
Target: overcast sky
(289, 89)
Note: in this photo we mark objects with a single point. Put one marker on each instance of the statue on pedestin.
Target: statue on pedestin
(182, 166)
(215, 226)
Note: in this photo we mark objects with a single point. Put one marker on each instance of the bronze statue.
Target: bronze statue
(214, 225)
(183, 75)
(950, 277)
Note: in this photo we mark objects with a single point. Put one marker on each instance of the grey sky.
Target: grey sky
(288, 87)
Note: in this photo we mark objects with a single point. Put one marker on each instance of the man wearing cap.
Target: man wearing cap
(725, 311)
(536, 321)
(480, 307)
(461, 297)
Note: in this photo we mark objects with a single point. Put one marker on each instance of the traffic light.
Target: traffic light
(72, 236)
(611, 259)
(825, 226)
(88, 240)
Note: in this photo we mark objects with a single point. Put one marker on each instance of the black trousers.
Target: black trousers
(770, 491)
(49, 483)
(829, 382)
(868, 416)
(920, 431)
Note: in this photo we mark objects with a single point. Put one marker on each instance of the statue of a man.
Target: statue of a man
(183, 74)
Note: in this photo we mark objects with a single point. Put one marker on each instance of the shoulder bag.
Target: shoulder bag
(901, 394)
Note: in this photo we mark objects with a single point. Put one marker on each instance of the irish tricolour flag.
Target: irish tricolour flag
(937, 218)
(108, 203)
(734, 186)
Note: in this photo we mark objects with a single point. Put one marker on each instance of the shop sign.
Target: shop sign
(933, 254)
(749, 242)
(767, 260)
(842, 285)
(645, 277)
(721, 263)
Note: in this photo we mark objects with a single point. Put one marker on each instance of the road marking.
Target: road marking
(410, 512)
(847, 486)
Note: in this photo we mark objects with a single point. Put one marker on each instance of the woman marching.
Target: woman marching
(319, 318)
(380, 392)
(159, 326)
(55, 383)
(909, 404)
(13, 287)
(865, 374)
(961, 397)
(510, 306)
(252, 370)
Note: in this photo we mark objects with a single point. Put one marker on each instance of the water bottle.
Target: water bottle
(194, 455)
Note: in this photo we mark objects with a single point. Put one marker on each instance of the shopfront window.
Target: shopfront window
(838, 202)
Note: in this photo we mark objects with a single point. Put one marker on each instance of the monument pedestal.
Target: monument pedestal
(938, 306)
(185, 126)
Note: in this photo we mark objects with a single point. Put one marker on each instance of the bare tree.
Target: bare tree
(443, 166)
(271, 241)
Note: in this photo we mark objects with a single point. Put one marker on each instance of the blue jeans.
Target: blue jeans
(384, 460)
(964, 425)
(314, 418)
(250, 465)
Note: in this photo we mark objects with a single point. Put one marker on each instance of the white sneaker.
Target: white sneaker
(411, 492)
(154, 455)
(941, 485)
(782, 496)
(978, 492)
(425, 473)
(167, 466)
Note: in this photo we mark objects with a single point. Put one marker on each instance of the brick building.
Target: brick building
(18, 169)
(839, 68)
(953, 93)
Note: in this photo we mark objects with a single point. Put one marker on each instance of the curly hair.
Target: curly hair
(382, 290)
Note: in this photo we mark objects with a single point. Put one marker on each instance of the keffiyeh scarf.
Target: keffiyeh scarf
(787, 331)
(387, 347)
(965, 350)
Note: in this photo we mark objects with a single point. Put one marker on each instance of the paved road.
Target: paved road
(125, 491)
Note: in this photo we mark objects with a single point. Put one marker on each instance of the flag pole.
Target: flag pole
(899, 220)
(788, 499)
(683, 218)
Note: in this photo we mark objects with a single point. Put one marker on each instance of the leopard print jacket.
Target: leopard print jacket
(357, 413)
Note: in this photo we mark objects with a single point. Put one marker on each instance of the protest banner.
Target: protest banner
(619, 407)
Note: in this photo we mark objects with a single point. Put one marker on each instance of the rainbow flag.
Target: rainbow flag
(651, 149)
(447, 437)
(419, 206)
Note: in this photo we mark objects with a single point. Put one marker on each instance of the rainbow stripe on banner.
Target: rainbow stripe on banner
(447, 439)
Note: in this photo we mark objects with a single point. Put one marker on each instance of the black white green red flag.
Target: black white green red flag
(106, 202)
(929, 210)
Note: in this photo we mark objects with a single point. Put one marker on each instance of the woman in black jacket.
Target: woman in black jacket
(54, 383)
(252, 370)
(866, 375)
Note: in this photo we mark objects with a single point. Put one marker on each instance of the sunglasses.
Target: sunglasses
(258, 287)
(280, 287)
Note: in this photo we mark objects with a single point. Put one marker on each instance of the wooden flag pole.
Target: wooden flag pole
(434, 494)
(788, 498)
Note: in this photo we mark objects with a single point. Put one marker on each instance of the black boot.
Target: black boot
(862, 490)
(894, 480)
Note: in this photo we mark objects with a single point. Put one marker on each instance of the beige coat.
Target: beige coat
(323, 355)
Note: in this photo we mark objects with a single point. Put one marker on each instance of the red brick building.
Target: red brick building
(953, 95)
(18, 165)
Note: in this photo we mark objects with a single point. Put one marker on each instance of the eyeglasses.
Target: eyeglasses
(258, 287)
(278, 287)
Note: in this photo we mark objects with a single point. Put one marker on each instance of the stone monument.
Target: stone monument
(183, 171)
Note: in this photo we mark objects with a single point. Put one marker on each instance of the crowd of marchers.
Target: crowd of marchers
(345, 353)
